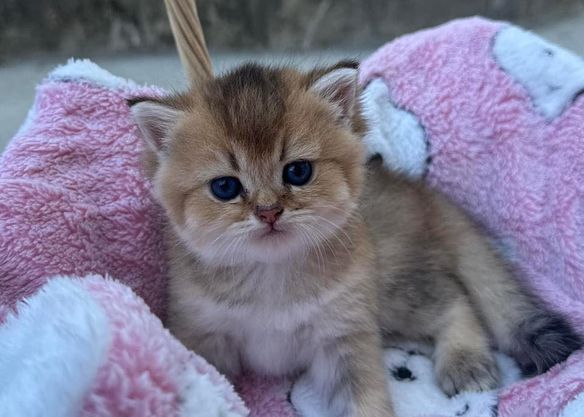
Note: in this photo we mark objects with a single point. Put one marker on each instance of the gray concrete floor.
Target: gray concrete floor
(18, 80)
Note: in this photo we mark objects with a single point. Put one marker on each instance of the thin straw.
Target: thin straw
(189, 38)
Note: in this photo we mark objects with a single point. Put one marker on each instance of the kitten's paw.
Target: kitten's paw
(306, 400)
(468, 371)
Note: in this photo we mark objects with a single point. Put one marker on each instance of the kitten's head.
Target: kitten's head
(257, 165)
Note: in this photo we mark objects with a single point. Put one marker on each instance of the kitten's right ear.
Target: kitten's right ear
(339, 87)
(155, 120)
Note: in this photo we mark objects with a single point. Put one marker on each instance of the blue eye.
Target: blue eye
(297, 173)
(226, 188)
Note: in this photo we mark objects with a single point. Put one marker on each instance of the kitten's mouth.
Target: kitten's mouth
(271, 232)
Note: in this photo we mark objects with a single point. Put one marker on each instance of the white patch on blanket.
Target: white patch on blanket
(83, 70)
(414, 389)
(200, 397)
(552, 75)
(575, 408)
(395, 134)
(51, 351)
(415, 392)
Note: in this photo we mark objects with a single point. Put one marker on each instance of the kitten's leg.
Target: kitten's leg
(463, 358)
(217, 349)
(346, 379)
(521, 325)
(222, 352)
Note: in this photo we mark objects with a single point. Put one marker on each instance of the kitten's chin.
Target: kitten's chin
(274, 245)
(262, 245)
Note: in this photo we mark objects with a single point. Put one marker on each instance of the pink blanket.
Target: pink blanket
(493, 116)
(484, 112)
(73, 199)
(74, 203)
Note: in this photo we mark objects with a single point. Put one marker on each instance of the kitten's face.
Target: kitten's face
(259, 165)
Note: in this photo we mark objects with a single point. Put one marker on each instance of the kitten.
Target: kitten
(289, 254)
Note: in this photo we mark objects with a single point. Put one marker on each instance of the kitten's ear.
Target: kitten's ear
(339, 87)
(155, 120)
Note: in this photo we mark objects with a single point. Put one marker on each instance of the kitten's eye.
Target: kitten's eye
(297, 172)
(226, 188)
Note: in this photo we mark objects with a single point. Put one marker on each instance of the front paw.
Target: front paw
(467, 371)
(305, 400)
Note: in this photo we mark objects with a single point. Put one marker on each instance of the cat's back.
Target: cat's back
(407, 220)
(393, 205)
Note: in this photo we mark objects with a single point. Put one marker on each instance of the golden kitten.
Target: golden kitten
(289, 254)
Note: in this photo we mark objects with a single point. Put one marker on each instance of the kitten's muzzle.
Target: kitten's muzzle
(269, 214)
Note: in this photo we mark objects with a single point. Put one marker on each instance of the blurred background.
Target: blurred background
(132, 38)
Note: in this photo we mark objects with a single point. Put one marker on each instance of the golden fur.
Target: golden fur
(363, 257)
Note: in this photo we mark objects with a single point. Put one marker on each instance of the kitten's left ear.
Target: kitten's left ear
(339, 87)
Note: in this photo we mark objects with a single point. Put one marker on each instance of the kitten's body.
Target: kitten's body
(273, 317)
(348, 267)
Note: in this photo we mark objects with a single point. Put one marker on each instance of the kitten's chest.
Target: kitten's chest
(268, 340)
(276, 326)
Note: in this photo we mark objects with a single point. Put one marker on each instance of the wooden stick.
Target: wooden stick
(189, 38)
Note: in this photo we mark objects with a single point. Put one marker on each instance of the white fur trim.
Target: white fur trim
(395, 134)
(51, 351)
(80, 70)
(552, 75)
(87, 71)
(201, 397)
(575, 408)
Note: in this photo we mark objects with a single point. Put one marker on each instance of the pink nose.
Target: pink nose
(269, 214)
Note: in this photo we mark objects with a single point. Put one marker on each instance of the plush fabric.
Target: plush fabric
(90, 347)
(455, 106)
(73, 198)
(493, 116)
(74, 202)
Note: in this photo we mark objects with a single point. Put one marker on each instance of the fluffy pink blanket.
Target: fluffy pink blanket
(485, 112)
(493, 116)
